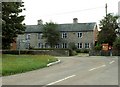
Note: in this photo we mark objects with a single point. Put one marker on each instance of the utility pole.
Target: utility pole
(106, 8)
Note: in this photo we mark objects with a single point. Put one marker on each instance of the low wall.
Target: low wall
(104, 53)
(38, 52)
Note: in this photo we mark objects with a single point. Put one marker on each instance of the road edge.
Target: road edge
(53, 63)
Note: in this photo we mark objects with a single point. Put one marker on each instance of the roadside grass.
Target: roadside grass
(12, 64)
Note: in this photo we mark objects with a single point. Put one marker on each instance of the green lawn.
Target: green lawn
(12, 64)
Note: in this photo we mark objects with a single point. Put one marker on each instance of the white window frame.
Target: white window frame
(64, 45)
(57, 46)
(40, 45)
(40, 35)
(87, 45)
(64, 35)
(28, 36)
(80, 34)
(47, 45)
(80, 45)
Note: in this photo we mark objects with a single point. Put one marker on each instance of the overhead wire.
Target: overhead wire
(75, 11)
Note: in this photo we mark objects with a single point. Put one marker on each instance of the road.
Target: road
(71, 71)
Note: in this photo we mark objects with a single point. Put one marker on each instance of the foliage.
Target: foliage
(72, 46)
(116, 44)
(72, 52)
(11, 22)
(12, 64)
(98, 47)
(82, 50)
(108, 26)
(51, 34)
(50, 49)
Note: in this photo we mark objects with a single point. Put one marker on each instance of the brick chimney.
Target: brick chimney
(40, 22)
(75, 20)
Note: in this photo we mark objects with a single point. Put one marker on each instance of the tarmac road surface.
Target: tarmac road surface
(74, 70)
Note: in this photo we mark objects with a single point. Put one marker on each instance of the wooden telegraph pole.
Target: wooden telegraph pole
(106, 8)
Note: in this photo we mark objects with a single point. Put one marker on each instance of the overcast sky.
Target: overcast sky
(63, 11)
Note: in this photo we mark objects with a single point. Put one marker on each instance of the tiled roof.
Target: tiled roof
(77, 27)
(33, 28)
(63, 27)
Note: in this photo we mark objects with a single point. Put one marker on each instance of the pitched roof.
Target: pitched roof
(77, 27)
(63, 27)
(33, 28)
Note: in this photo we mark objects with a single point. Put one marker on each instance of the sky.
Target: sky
(63, 11)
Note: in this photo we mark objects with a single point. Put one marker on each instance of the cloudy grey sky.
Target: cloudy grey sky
(63, 11)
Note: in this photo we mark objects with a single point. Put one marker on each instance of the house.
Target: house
(83, 35)
(13, 45)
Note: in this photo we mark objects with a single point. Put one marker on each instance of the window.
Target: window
(64, 35)
(64, 45)
(80, 34)
(40, 45)
(79, 45)
(47, 45)
(57, 46)
(40, 35)
(87, 45)
(28, 37)
(27, 45)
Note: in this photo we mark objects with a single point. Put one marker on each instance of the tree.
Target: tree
(108, 26)
(51, 33)
(72, 46)
(11, 22)
(116, 44)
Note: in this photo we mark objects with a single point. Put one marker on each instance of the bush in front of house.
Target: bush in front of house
(72, 53)
(98, 47)
(82, 50)
(72, 46)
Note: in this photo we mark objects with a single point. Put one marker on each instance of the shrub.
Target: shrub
(78, 50)
(72, 53)
(98, 47)
(72, 46)
(82, 50)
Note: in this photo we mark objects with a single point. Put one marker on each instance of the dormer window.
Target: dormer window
(80, 34)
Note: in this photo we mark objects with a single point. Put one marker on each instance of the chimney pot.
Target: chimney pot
(40, 22)
(75, 20)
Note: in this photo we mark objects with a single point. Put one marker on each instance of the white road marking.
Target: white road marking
(112, 62)
(97, 68)
(61, 80)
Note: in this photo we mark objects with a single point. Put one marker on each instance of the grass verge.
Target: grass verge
(12, 64)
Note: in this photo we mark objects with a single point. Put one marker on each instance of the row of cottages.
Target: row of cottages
(84, 35)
